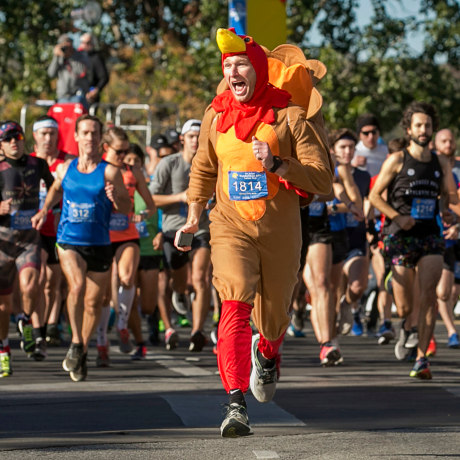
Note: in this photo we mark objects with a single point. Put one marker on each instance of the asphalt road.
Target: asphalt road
(169, 406)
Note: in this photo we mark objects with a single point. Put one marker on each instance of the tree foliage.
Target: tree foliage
(163, 52)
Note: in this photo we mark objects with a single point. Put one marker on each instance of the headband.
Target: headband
(46, 123)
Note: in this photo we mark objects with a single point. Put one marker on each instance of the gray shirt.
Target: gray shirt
(71, 74)
(172, 177)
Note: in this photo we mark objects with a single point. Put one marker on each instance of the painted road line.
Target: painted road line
(208, 410)
(265, 454)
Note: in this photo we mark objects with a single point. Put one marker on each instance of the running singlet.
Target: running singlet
(20, 181)
(48, 228)
(414, 192)
(85, 214)
(121, 227)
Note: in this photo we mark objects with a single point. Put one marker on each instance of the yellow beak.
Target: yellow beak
(228, 42)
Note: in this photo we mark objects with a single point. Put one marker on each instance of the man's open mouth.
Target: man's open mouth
(239, 87)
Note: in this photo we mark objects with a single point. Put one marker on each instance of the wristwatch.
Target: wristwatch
(277, 162)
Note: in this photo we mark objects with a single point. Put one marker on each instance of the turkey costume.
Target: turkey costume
(255, 225)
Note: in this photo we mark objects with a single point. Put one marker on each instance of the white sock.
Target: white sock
(125, 302)
(103, 326)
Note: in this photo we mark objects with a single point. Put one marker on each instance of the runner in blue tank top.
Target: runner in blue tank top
(89, 187)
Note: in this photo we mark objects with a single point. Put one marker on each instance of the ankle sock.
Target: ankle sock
(236, 396)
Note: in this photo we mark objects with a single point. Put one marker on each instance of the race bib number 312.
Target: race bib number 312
(247, 185)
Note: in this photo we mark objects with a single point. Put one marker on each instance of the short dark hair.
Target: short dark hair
(397, 144)
(367, 119)
(135, 148)
(342, 133)
(419, 107)
(85, 117)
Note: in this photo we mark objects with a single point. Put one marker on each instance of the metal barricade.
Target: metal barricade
(135, 127)
(38, 103)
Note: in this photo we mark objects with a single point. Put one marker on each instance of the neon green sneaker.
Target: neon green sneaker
(182, 321)
(161, 326)
(5, 364)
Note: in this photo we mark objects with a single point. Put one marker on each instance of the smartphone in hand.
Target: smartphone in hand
(185, 239)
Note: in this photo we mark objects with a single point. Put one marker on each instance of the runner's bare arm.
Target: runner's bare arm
(391, 166)
(143, 191)
(116, 190)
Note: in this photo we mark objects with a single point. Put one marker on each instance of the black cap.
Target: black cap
(171, 135)
(368, 119)
(158, 141)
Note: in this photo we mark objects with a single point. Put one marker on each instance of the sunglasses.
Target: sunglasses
(120, 152)
(371, 131)
(17, 136)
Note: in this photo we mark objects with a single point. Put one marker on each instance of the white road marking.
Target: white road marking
(208, 410)
(180, 366)
(265, 454)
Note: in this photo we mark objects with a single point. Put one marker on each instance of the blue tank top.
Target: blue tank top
(86, 210)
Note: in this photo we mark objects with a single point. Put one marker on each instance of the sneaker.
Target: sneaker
(72, 360)
(125, 344)
(26, 333)
(421, 369)
(329, 355)
(263, 381)
(385, 334)
(180, 302)
(346, 317)
(236, 422)
(183, 321)
(53, 335)
(453, 341)
(357, 329)
(161, 326)
(5, 364)
(431, 350)
(80, 374)
(298, 319)
(39, 353)
(401, 351)
(102, 359)
(140, 353)
(213, 334)
(197, 341)
(171, 339)
(293, 332)
(412, 339)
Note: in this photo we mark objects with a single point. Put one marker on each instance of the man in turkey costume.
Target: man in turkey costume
(263, 151)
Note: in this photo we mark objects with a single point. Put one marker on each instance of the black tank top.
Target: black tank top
(415, 192)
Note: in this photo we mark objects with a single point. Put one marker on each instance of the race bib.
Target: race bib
(351, 221)
(245, 186)
(82, 213)
(423, 208)
(20, 220)
(142, 229)
(118, 222)
(316, 208)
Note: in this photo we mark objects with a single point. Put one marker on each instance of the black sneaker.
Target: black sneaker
(72, 360)
(263, 381)
(26, 333)
(197, 341)
(236, 422)
(79, 374)
(53, 335)
(39, 353)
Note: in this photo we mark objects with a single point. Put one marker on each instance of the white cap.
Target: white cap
(191, 125)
